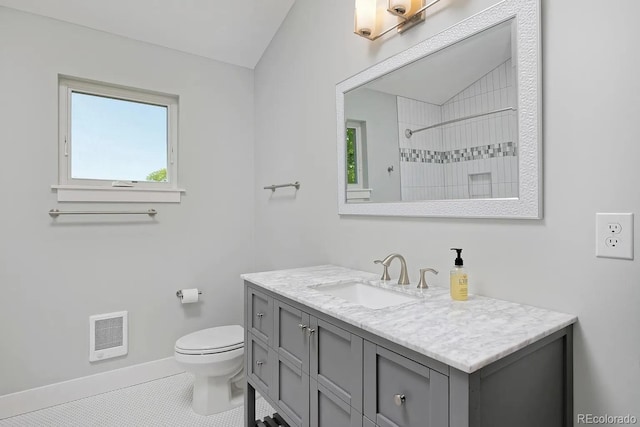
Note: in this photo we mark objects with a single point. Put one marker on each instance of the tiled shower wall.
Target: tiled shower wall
(420, 180)
(470, 158)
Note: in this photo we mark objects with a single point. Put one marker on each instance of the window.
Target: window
(352, 157)
(116, 144)
(354, 146)
(356, 172)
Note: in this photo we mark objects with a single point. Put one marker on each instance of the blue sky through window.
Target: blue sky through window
(114, 139)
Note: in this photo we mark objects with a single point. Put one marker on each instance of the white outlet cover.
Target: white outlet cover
(624, 248)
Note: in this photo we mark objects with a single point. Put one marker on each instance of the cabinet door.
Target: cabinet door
(366, 422)
(402, 393)
(291, 330)
(259, 315)
(261, 363)
(328, 410)
(290, 391)
(336, 361)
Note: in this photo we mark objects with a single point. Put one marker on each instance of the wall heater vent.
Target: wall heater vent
(108, 336)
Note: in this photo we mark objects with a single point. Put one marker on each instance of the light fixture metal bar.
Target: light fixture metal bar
(423, 8)
(410, 21)
(408, 132)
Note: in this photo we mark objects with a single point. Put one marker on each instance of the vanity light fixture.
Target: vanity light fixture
(401, 14)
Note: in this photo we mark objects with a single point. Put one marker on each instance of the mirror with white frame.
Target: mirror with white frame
(449, 127)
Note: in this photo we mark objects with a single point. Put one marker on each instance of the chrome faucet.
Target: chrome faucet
(423, 281)
(385, 273)
(404, 277)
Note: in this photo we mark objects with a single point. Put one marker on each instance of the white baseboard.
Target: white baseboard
(67, 391)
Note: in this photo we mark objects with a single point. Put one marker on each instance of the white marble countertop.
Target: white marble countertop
(466, 335)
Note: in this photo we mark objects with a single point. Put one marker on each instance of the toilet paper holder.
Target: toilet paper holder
(179, 293)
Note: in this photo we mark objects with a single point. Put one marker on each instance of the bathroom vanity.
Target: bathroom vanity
(420, 360)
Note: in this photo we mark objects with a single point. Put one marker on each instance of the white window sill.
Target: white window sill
(82, 193)
(363, 194)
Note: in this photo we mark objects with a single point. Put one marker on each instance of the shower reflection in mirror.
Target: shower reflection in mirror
(447, 124)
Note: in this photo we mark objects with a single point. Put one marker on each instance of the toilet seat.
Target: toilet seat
(211, 341)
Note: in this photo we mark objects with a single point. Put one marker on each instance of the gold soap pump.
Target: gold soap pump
(458, 278)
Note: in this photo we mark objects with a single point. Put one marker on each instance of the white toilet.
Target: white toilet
(215, 357)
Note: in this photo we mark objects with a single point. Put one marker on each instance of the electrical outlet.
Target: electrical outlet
(614, 235)
(614, 227)
(612, 242)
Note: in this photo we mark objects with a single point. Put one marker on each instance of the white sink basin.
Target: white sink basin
(366, 295)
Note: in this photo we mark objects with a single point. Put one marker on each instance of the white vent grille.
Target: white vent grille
(108, 333)
(107, 336)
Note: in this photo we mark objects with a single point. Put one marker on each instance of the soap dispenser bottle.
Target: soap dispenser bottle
(458, 278)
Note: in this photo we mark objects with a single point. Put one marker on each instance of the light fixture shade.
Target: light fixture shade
(365, 17)
(375, 18)
(401, 7)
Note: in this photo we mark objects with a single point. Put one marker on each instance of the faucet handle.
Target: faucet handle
(423, 282)
(385, 273)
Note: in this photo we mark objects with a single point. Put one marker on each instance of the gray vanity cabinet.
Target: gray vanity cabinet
(328, 410)
(336, 361)
(367, 422)
(291, 337)
(310, 369)
(311, 349)
(401, 392)
(261, 361)
(318, 371)
(290, 392)
(259, 319)
(291, 371)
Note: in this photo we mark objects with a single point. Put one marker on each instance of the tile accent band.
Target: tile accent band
(502, 149)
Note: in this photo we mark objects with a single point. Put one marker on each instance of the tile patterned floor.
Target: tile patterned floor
(163, 402)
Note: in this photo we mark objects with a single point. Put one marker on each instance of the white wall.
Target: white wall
(591, 152)
(379, 112)
(54, 274)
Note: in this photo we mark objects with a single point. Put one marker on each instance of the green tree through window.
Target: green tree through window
(158, 176)
(352, 169)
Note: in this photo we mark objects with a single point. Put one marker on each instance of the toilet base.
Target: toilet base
(212, 395)
(214, 357)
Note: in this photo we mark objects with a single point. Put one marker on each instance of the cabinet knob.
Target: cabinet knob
(399, 399)
(311, 331)
(260, 315)
(259, 362)
(301, 326)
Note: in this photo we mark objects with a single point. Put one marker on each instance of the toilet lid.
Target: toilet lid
(212, 340)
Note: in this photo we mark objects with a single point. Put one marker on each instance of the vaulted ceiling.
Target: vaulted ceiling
(236, 32)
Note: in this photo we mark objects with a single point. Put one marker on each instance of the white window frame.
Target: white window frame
(357, 192)
(353, 124)
(102, 190)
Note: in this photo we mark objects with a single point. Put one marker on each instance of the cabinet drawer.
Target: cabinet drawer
(260, 315)
(291, 392)
(336, 361)
(291, 335)
(402, 393)
(328, 410)
(260, 364)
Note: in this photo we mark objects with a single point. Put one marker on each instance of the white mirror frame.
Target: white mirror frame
(529, 203)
